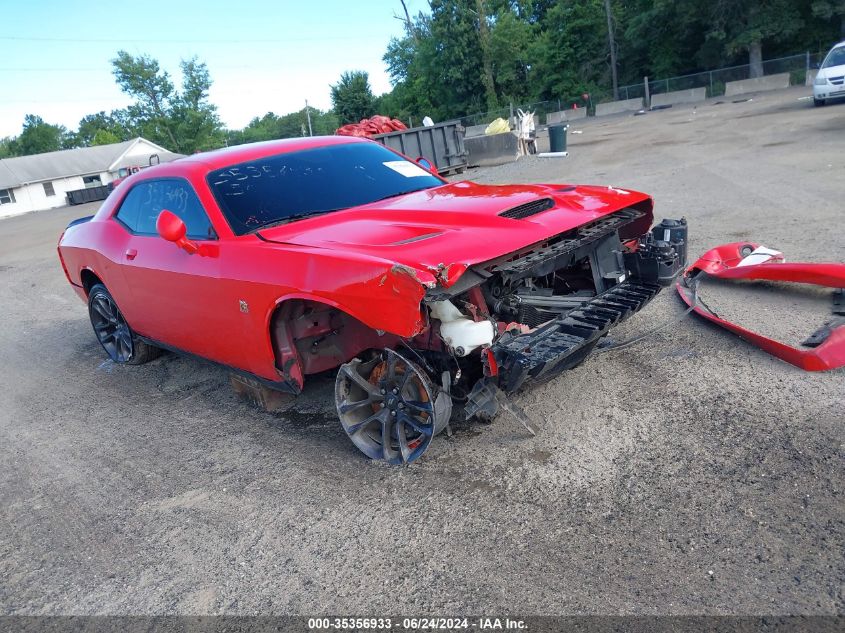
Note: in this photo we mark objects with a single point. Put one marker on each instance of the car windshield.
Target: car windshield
(836, 57)
(294, 185)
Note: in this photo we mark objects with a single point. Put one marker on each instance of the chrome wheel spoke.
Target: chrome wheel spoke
(403, 442)
(403, 427)
(391, 367)
(103, 309)
(354, 406)
(111, 328)
(358, 379)
(420, 407)
(423, 429)
(386, 439)
(375, 417)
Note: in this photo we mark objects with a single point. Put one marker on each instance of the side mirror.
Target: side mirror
(171, 227)
(423, 162)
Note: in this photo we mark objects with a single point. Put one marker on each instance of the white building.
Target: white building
(41, 181)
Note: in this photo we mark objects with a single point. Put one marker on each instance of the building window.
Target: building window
(48, 189)
(92, 181)
(7, 196)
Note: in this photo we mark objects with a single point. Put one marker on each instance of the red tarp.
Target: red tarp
(377, 124)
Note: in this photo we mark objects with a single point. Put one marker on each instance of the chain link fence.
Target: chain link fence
(712, 80)
(539, 108)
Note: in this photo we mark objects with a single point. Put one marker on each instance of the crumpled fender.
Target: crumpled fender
(724, 262)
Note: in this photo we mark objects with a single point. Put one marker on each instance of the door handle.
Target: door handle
(131, 253)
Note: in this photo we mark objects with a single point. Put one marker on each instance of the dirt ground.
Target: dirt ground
(690, 474)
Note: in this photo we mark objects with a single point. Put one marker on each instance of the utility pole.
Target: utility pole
(611, 39)
(308, 116)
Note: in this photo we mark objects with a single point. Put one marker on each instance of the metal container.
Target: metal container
(492, 149)
(90, 194)
(557, 138)
(442, 144)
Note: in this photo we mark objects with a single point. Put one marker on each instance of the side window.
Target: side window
(143, 204)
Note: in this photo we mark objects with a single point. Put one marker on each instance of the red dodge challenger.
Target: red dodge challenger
(289, 258)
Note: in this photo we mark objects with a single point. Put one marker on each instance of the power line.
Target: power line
(35, 70)
(212, 66)
(279, 40)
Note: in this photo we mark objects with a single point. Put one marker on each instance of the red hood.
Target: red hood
(457, 224)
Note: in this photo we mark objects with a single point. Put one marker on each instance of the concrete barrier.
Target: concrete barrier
(758, 84)
(615, 107)
(493, 149)
(475, 130)
(565, 115)
(693, 95)
(811, 76)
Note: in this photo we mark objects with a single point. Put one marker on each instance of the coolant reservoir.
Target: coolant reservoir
(461, 333)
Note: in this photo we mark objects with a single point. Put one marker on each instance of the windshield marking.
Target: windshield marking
(289, 186)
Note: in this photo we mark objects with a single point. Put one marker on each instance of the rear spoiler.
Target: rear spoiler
(80, 221)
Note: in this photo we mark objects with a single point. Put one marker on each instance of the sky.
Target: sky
(263, 56)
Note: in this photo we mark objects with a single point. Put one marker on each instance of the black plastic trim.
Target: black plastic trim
(564, 342)
(79, 221)
(528, 209)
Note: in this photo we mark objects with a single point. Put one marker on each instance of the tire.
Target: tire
(818, 102)
(113, 332)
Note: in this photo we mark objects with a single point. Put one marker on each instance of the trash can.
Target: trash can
(557, 137)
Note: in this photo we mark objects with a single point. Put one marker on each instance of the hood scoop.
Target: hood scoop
(528, 209)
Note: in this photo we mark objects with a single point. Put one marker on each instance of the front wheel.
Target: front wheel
(818, 102)
(389, 407)
(113, 332)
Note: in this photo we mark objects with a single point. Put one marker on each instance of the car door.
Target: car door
(175, 297)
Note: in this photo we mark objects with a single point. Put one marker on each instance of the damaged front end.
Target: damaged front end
(507, 323)
(563, 299)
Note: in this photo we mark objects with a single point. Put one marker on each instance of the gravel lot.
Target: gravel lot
(690, 474)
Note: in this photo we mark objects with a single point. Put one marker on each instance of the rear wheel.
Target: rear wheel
(113, 332)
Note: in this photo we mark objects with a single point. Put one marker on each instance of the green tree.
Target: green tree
(405, 59)
(663, 38)
(510, 39)
(105, 137)
(831, 10)
(196, 122)
(571, 52)
(6, 147)
(352, 98)
(181, 121)
(142, 79)
(486, 54)
(442, 69)
(106, 125)
(746, 25)
(451, 62)
(38, 137)
(270, 126)
(450, 57)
